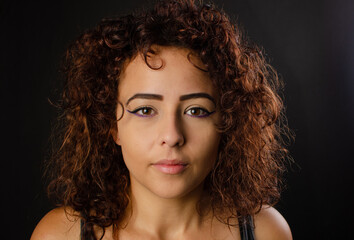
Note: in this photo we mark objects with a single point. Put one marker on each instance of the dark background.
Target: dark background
(310, 43)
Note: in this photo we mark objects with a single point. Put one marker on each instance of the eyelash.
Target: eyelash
(206, 112)
(135, 112)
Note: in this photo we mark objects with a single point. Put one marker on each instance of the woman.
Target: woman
(171, 131)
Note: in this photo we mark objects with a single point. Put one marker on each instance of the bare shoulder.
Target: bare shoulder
(58, 224)
(270, 224)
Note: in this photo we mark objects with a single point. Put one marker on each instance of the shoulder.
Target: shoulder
(270, 224)
(58, 224)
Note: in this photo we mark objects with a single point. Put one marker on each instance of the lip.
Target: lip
(170, 166)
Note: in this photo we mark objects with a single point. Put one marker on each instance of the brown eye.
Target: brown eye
(197, 112)
(146, 111)
(143, 112)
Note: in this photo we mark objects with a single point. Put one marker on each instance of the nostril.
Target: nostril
(173, 142)
(171, 130)
(172, 138)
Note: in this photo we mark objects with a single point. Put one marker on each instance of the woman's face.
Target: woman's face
(168, 133)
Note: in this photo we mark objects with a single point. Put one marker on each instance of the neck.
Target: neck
(164, 218)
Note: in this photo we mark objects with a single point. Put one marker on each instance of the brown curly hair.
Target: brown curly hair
(87, 169)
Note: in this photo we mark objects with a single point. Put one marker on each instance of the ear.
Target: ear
(115, 135)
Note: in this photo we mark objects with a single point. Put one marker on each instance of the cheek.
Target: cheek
(204, 142)
(211, 147)
(135, 141)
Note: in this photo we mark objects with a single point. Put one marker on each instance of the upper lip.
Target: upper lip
(170, 162)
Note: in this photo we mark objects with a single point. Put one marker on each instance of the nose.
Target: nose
(171, 132)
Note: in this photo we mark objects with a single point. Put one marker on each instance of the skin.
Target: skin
(173, 128)
(170, 126)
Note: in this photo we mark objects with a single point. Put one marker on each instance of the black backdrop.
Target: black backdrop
(310, 43)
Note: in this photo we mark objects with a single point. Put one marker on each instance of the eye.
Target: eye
(143, 112)
(198, 112)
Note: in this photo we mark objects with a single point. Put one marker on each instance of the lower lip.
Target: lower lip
(170, 168)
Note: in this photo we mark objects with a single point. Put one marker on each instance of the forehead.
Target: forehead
(170, 69)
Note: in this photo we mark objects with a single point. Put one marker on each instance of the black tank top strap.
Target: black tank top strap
(82, 226)
(84, 233)
(247, 228)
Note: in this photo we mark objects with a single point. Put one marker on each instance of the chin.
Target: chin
(177, 191)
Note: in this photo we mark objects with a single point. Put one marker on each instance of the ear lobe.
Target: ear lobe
(117, 139)
(115, 136)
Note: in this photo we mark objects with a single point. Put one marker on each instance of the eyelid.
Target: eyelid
(207, 113)
(141, 108)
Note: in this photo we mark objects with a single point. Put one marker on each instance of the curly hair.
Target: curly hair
(87, 169)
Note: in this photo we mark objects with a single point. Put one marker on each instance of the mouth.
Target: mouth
(171, 167)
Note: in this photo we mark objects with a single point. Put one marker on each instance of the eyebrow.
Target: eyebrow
(197, 95)
(145, 96)
(160, 97)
